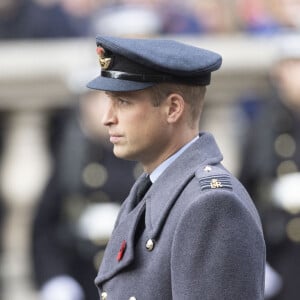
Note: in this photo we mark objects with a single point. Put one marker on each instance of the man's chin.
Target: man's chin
(122, 154)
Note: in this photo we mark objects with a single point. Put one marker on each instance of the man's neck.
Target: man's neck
(165, 164)
(174, 147)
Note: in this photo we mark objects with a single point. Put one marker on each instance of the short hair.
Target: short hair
(192, 94)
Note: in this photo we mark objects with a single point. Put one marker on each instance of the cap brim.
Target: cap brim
(117, 85)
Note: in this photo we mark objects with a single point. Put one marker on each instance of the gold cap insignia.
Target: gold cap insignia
(104, 61)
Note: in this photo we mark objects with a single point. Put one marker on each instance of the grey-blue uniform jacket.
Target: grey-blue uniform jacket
(202, 237)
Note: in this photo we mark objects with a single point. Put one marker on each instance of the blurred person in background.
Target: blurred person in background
(267, 16)
(215, 16)
(82, 14)
(271, 171)
(127, 17)
(23, 19)
(253, 16)
(3, 207)
(179, 17)
(77, 210)
(286, 12)
(131, 17)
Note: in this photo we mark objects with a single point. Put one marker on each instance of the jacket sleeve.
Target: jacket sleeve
(218, 251)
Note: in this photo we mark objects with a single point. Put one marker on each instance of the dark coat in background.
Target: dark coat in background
(29, 20)
(271, 152)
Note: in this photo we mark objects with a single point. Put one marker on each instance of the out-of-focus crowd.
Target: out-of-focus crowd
(76, 209)
(71, 18)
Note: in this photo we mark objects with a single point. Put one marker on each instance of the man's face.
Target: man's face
(138, 130)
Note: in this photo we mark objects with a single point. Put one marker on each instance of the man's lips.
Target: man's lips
(114, 138)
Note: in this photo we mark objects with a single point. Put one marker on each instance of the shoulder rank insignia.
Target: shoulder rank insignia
(215, 182)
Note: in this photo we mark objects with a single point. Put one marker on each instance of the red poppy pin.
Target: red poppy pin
(121, 251)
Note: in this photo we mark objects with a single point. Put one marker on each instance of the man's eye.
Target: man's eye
(122, 101)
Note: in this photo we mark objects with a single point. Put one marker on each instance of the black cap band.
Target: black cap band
(155, 78)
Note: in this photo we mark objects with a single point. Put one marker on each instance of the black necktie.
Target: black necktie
(142, 189)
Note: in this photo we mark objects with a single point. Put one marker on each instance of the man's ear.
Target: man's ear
(175, 107)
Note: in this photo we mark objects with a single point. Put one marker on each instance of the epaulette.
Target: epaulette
(212, 177)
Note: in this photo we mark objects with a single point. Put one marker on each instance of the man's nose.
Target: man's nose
(108, 117)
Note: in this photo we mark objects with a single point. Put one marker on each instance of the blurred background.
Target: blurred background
(61, 187)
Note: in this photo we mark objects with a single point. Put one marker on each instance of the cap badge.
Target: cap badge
(104, 61)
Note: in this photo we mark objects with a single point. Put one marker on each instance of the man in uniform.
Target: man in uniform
(193, 232)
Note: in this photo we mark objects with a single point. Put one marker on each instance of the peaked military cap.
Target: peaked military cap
(135, 64)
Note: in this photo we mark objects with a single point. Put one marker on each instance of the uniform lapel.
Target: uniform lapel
(119, 252)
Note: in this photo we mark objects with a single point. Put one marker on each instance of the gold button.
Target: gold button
(150, 245)
(103, 296)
